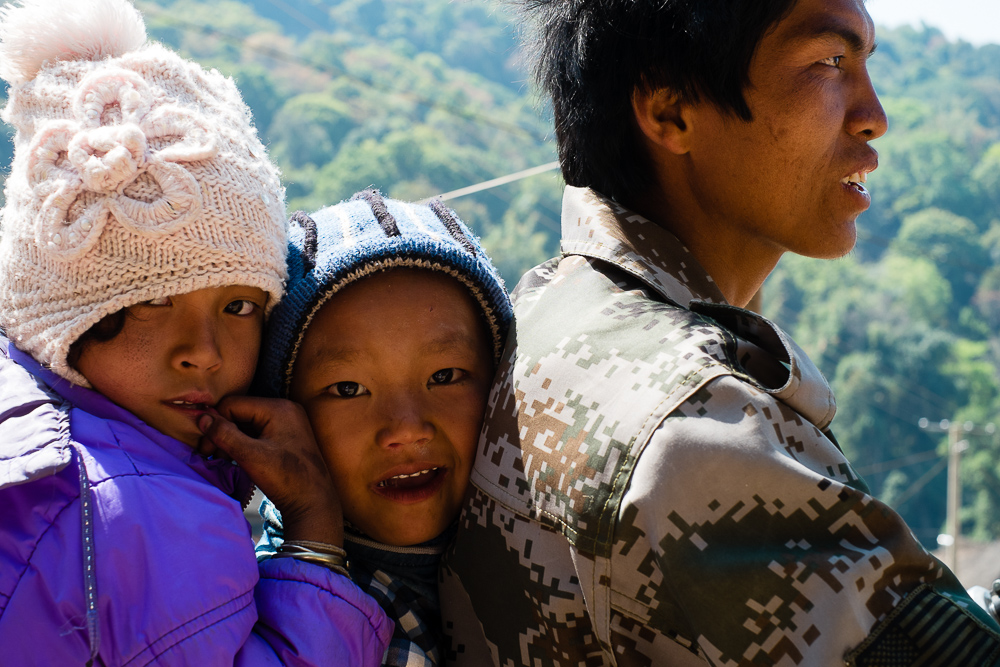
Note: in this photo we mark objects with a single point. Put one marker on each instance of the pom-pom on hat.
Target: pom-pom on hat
(136, 175)
(342, 244)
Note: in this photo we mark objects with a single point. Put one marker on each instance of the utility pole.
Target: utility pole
(956, 446)
(955, 449)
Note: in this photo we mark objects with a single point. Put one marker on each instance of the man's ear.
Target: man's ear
(664, 118)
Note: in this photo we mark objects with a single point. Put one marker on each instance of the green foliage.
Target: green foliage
(950, 242)
(986, 177)
(309, 128)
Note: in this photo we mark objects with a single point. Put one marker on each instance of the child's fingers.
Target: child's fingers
(280, 454)
(218, 433)
(206, 447)
(283, 459)
(252, 411)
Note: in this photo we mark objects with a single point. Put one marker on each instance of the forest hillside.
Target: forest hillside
(420, 97)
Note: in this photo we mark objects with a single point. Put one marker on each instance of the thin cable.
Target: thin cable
(885, 466)
(921, 483)
(297, 15)
(494, 182)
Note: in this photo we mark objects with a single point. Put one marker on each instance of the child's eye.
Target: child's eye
(447, 376)
(241, 307)
(348, 389)
(159, 301)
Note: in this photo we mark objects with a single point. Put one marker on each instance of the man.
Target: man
(656, 483)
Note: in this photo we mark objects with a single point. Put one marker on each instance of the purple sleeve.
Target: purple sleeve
(307, 610)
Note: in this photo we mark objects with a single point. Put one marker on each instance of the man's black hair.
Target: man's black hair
(592, 55)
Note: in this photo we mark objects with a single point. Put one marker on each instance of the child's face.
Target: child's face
(179, 355)
(394, 372)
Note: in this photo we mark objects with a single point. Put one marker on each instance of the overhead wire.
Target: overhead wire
(295, 14)
(492, 183)
(921, 482)
(896, 464)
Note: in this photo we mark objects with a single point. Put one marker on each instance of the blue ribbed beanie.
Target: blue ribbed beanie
(341, 244)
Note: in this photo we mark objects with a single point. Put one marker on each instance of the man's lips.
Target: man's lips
(859, 176)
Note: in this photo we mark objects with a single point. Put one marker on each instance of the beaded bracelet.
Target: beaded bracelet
(329, 556)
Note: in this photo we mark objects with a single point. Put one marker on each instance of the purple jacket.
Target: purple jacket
(122, 546)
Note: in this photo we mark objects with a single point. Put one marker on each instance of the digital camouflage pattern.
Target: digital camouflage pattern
(656, 484)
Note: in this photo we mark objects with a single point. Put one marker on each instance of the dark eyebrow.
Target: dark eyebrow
(835, 29)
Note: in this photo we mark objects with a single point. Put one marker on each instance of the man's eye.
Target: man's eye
(348, 389)
(241, 307)
(446, 376)
(832, 61)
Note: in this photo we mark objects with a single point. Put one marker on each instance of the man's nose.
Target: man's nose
(866, 117)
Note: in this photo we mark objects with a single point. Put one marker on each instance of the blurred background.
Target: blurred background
(423, 97)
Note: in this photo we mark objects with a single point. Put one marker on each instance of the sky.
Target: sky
(975, 21)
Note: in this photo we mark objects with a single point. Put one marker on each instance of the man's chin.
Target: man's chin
(833, 246)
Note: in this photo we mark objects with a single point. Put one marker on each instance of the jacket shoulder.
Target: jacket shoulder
(597, 359)
(595, 362)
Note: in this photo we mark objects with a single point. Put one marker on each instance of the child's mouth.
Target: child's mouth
(412, 487)
(189, 407)
(188, 404)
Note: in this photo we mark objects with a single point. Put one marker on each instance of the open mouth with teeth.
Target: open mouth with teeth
(856, 180)
(412, 487)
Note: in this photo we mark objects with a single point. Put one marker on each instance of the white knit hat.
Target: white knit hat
(136, 175)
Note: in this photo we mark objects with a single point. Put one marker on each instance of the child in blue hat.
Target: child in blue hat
(388, 336)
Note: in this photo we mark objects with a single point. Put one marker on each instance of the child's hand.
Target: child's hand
(275, 445)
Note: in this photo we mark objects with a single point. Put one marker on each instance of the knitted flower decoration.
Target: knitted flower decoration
(117, 157)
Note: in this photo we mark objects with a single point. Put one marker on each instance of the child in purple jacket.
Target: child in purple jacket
(143, 243)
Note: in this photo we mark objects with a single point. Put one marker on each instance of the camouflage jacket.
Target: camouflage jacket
(656, 484)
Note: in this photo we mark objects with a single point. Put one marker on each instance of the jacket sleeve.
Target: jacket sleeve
(307, 610)
(745, 534)
(189, 592)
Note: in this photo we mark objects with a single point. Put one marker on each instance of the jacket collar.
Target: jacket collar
(594, 226)
(597, 227)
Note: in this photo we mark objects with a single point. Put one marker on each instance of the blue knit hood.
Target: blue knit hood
(339, 245)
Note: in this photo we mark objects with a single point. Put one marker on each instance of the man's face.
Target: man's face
(789, 179)
(394, 372)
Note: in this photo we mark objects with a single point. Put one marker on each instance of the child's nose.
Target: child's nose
(197, 346)
(405, 424)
